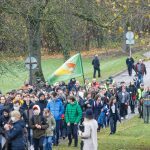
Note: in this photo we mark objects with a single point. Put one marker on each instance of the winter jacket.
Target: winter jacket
(3, 121)
(96, 109)
(73, 113)
(42, 104)
(96, 63)
(111, 114)
(130, 62)
(126, 96)
(52, 124)
(56, 107)
(28, 110)
(89, 136)
(40, 120)
(143, 69)
(15, 136)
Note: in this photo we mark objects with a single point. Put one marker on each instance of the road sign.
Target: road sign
(129, 42)
(31, 63)
(130, 35)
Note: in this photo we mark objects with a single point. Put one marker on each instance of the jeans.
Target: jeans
(39, 143)
(140, 77)
(113, 123)
(48, 143)
(56, 132)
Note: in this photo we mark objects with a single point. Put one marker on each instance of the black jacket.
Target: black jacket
(96, 63)
(42, 104)
(116, 114)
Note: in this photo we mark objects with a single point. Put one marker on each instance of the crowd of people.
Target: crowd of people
(38, 117)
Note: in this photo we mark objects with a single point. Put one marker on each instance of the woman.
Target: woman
(89, 136)
(114, 115)
(15, 132)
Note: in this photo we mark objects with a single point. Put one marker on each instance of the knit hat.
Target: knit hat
(40, 94)
(36, 107)
(89, 114)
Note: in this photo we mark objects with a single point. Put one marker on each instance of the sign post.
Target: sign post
(30, 63)
(130, 40)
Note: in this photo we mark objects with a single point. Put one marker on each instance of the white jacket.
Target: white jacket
(89, 135)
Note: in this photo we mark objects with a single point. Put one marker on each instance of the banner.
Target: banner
(70, 69)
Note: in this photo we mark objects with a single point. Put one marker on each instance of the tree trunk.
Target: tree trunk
(34, 44)
(87, 38)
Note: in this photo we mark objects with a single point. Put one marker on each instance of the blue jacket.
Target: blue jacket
(56, 107)
(15, 136)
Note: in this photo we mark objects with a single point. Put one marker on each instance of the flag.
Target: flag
(70, 69)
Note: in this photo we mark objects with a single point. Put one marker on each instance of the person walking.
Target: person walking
(73, 115)
(130, 65)
(113, 115)
(57, 109)
(50, 130)
(123, 99)
(89, 136)
(39, 125)
(140, 70)
(15, 132)
(96, 66)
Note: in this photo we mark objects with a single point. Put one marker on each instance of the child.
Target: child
(50, 130)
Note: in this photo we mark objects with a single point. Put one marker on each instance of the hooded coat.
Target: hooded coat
(89, 136)
(40, 120)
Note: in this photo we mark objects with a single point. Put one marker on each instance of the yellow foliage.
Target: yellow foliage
(143, 41)
(136, 36)
(120, 30)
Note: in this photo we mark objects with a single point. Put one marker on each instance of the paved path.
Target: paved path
(125, 77)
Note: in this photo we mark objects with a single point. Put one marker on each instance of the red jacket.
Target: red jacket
(143, 68)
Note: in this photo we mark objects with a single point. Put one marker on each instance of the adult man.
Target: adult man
(96, 66)
(57, 109)
(130, 63)
(123, 98)
(140, 70)
(73, 116)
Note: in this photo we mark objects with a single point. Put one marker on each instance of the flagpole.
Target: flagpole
(82, 69)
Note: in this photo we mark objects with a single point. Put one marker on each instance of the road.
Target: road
(125, 77)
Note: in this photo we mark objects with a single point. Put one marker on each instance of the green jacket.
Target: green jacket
(73, 113)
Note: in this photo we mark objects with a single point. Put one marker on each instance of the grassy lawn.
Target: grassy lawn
(131, 135)
(109, 66)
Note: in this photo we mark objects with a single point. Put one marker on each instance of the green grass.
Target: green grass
(109, 66)
(131, 135)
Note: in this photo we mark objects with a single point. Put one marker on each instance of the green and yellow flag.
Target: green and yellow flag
(70, 69)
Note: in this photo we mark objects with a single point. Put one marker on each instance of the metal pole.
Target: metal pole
(30, 72)
(130, 50)
(82, 69)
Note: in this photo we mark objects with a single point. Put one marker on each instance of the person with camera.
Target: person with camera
(89, 134)
(73, 115)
